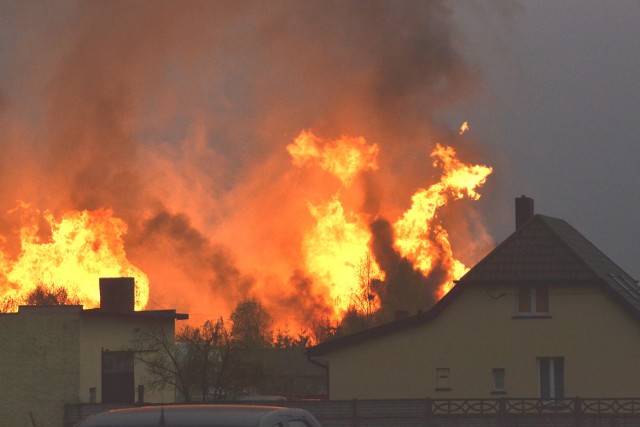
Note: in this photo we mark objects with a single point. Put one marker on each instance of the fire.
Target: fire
(344, 158)
(464, 127)
(335, 247)
(334, 250)
(83, 246)
(76, 248)
(338, 243)
(418, 235)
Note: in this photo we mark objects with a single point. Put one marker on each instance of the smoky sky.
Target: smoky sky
(176, 114)
(404, 288)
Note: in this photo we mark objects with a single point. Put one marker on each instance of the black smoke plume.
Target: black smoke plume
(404, 288)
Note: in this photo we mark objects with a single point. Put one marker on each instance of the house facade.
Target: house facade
(544, 315)
(54, 355)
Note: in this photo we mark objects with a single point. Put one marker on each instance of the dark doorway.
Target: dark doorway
(117, 377)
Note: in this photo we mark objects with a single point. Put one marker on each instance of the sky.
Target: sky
(560, 112)
(177, 117)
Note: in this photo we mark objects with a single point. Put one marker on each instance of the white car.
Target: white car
(203, 416)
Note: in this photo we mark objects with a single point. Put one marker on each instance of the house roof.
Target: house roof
(165, 314)
(543, 250)
(549, 250)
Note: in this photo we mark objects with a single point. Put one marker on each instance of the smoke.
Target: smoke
(176, 115)
(303, 301)
(205, 269)
(404, 288)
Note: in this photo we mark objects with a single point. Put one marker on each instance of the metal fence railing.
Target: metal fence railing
(500, 412)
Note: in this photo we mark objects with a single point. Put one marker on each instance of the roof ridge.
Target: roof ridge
(592, 246)
(571, 249)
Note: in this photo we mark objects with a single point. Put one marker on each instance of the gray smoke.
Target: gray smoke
(404, 288)
(186, 106)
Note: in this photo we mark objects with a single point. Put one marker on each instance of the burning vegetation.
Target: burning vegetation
(290, 154)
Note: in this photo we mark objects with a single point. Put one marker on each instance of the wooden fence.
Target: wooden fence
(505, 412)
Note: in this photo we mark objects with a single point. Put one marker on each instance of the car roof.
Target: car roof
(194, 416)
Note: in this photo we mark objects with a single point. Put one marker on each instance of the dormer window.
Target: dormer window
(533, 301)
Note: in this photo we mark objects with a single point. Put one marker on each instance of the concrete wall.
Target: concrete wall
(116, 332)
(479, 331)
(39, 365)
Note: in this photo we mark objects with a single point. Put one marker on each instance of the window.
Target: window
(551, 375)
(443, 379)
(533, 300)
(497, 380)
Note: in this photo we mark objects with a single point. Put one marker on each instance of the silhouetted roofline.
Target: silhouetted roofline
(97, 312)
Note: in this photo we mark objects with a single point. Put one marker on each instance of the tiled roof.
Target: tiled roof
(549, 250)
(542, 250)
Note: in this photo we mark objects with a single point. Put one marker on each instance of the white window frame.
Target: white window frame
(533, 306)
(496, 387)
(554, 365)
(443, 379)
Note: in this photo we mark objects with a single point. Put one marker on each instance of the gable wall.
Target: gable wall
(477, 332)
(116, 333)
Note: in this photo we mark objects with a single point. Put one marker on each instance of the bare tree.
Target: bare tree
(51, 295)
(321, 330)
(207, 355)
(9, 304)
(156, 349)
(363, 301)
(194, 362)
(42, 294)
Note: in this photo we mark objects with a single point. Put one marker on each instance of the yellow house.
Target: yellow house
(544, 315)
(54, 355)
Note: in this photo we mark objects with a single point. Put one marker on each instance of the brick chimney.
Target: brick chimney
(524, 210)
(117, 294)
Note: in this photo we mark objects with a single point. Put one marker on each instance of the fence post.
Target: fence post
(502, 412)
(428, 412)
(354, 413)
(577, 410)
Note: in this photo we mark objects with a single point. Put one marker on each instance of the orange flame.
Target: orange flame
(344, 158)
(338, 243)
(414, 228)
(83, 246)
(336, 246)
(334, 250)
(464, 127)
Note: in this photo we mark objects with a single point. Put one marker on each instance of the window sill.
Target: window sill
(532, 316)
(499, 392)
(443, 389)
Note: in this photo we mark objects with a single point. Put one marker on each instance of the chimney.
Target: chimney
(117, 294)
(524, 210)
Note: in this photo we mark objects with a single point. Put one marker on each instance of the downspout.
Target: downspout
(323, 366)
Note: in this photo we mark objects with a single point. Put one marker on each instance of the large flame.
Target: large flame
(181, 132)
(344, 158)
(80, 247)
(335, 247)
(418, 236)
